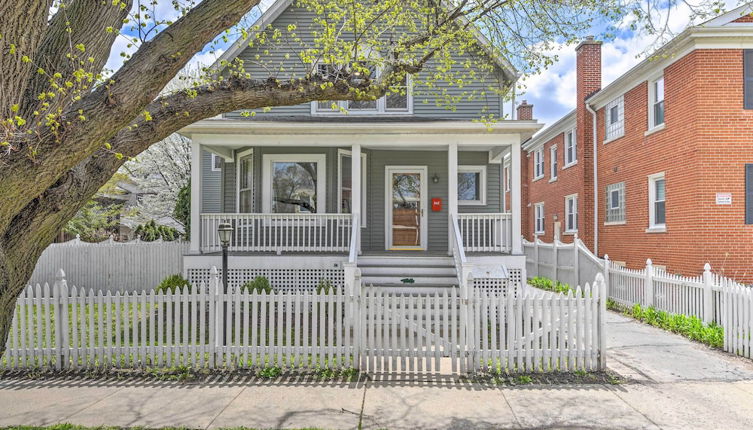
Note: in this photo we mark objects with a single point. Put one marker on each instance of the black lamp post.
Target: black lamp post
(225, 232)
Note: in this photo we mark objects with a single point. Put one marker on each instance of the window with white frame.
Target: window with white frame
(571, 213)
(571, 155)
(245, 182)
(553, 162)
(508, 179)
(615, 118)
(656, 201)
(615, 202)
(294, 183)
(538, 164)
(345, 184)
(472, 185)
(538, 214)
(398, 100)
(656, 103)
(216, 163)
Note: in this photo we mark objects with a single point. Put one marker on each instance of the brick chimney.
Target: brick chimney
(588, 71)
(525, 111)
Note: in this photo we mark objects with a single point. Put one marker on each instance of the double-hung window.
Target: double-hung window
(571, 213)
(571, 154)
(553, 163)
(656, 103)
(245, 181)
(538, 164)
(615, 118)
(472, 185)
(538, 215)
(345, 184)
(294, 183)
(615, 203)
(397, 101)
(657, 202)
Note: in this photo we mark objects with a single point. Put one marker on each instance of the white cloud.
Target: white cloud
(553, 91)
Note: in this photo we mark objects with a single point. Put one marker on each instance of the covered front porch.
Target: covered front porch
(359, 188)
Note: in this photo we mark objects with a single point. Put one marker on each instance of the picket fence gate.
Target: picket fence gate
(367, 328)
(709, 296)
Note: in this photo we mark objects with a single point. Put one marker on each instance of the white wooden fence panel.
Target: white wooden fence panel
(111, 266)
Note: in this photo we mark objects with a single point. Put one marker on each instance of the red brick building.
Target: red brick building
(669, 172)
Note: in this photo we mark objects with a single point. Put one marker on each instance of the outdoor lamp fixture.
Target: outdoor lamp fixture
(435, 178)
(225, 233)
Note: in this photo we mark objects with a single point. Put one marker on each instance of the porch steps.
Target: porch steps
(428, 273)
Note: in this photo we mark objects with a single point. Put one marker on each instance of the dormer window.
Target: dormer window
(396, 102)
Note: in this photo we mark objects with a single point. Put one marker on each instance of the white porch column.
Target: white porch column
(355, 185)
(515, 201)
(195, 198)
(452, 189)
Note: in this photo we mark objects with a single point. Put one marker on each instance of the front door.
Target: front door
(406, 207)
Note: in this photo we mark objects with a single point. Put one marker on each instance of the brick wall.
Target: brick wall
(707, 139)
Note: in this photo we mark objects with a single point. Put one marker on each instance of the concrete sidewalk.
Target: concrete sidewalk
(679, 384)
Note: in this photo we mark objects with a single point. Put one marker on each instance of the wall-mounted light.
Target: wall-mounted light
(435, 178)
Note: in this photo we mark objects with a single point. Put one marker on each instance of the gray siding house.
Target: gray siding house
(400, 189)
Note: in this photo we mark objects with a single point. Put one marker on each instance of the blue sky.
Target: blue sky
(552, 92)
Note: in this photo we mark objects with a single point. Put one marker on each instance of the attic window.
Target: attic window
(399, 102)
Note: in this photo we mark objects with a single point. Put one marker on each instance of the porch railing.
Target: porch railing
(255, 232)
(486, 232)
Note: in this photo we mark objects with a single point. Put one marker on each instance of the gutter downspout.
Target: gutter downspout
(596, 180)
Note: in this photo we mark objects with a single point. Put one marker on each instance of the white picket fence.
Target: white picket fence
(110, 265)
(365, 328)
(710, 297)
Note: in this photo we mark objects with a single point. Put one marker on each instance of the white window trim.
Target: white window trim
(536, 218)
(567, 199)
(364, 189)
(652, 226)
(507, 177)
(214, 162)
(553, 167)
(538, 159)
(621, 200)
(381, 104)
(620, 103)
(652, 126)
(238, 179)
(574, 161)
(321, 177)
(482, 192)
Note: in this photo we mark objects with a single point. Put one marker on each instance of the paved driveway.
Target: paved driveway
(679, 384)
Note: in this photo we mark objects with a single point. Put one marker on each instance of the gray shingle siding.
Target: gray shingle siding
(211, 185)
(424, 102)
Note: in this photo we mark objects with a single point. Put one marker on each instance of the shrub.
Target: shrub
(549, 285)
(325, 287)
(691, 327)
(171, 284)
(150, 232)
(260, 284)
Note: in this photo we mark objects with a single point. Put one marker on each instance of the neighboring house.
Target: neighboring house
(292, 181)
(673, 150)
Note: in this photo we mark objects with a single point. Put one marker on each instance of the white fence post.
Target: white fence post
(215, 314)
(59, 334)
(554, 260)
(536, 254)
(576, 258)
(648, 287)
(708, 282)
(352, 314)
(607, 266)
(602, 322)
